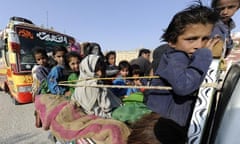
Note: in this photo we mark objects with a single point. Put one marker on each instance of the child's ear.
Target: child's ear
(171, 44)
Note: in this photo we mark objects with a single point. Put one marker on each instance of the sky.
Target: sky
(120, 25)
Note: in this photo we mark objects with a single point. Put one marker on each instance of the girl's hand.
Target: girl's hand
(212, 42)
(137, 82)
(67, 93)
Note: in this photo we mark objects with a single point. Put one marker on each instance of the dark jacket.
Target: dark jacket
(184, 75)
(56, 75)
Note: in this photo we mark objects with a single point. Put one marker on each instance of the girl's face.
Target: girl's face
(194, 37)
(112, 59)
(41, 59)
(124, 72)
(227, 8)
(146, 56)
(74, 64)
(59, 57)
(99, 73)
(137, 80)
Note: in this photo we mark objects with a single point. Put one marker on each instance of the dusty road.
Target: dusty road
(17, 124)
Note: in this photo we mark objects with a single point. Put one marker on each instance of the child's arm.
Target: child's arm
(41, 73)
(185, 74)
(72, 77)
(53, 78)
(119, 91)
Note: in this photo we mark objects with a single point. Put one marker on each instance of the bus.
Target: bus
(17, 41)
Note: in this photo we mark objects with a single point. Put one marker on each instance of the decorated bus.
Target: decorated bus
(16, 60)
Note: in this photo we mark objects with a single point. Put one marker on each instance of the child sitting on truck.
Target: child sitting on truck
(184, 65)
(39, 71)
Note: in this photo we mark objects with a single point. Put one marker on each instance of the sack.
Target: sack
(218, 49)
(132, 110)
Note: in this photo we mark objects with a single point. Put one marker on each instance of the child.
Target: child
(111, 58)
(226, 9)
(92, 48)
(112, 69)
(123, 68)
(57, 73)
(72, 61)
(94, 100)
(143, 61)
(39, 74)
(135, 72)
(133, 107)
(39, 71)
(184, 65)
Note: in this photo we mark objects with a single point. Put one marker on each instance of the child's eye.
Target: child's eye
(232, 7)
(226, 7)
(205, 38)
(220, 8)
(191, 39)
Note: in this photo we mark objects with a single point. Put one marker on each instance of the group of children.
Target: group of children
(190, 38)
(49, 71)
(64, 66)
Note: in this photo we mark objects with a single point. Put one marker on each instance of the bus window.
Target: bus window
(31, 38)
(27, 60)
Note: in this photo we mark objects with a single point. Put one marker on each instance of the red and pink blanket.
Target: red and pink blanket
(68, 122)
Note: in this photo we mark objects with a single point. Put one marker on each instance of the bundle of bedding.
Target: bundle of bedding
(68, 122)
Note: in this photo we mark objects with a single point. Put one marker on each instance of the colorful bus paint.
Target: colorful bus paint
(16, 60)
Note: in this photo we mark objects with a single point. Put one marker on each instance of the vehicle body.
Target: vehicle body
(18, 40)
(215, 118)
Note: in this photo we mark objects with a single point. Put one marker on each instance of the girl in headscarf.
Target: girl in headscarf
(94, 100)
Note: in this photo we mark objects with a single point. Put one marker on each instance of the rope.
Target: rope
(109, 78)
(118, 86)
(213, 85)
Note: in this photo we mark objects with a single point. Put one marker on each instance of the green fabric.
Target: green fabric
(72, 77)
(134, 97)
(44, 87)
(132, 110)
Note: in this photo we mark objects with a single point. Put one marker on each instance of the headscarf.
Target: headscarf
(98, 101)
